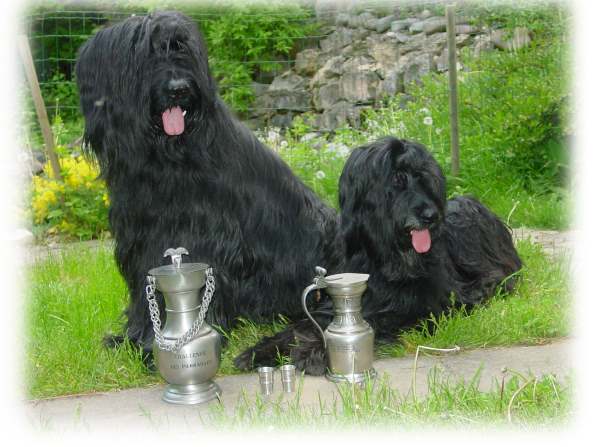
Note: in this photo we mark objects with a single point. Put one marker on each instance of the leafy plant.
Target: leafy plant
(75, 208)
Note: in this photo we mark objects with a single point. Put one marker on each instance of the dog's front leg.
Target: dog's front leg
(300, 341)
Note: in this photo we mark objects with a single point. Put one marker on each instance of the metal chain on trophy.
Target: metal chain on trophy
(195, 329)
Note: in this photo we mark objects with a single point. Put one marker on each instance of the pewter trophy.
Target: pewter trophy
(349, 339)
(188, 350)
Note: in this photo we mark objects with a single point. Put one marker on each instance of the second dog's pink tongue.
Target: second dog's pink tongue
(421, 240)
(173, 121)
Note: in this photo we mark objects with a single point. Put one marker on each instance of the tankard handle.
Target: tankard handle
(319, 283)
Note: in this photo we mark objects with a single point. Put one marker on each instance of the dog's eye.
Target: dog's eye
(400, 180)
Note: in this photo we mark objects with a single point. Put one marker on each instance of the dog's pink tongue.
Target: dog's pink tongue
(421, 240)
(173, 121)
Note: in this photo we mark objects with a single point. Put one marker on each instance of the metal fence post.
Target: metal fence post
(453, 95)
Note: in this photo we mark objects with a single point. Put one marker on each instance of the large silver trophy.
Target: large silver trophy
(188, 350)
(349, 339)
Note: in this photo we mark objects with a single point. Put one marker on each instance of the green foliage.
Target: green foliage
(247, 39)
(75, 208)
(513, 122)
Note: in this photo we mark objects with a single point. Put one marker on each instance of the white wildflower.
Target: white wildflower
(428, 121)
(424, 111)
(320, 175)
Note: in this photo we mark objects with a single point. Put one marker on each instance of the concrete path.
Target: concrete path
(142, 409)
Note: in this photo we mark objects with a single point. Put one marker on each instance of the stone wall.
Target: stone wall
(366, 57)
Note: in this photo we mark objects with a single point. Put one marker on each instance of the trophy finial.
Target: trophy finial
(176, 255)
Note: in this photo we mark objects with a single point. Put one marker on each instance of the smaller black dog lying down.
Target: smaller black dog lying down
(423, 253)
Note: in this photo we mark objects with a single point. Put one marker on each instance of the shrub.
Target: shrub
(75, 207)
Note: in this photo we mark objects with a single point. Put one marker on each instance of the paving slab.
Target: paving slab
(142, 408)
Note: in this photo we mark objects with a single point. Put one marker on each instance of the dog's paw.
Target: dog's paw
(312, 362)
(245, 361)
(112, 340)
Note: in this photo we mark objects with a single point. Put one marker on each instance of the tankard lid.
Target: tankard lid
(170, 270)
(346, 279)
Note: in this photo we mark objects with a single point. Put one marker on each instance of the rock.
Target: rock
(391, 84)
(520, 38)
(340, 114)
(466, 29)
(401, 37)
(360, 87)
(287, 81)
(363, 20)
(288, 100)
(441, 61)
(331, 69)
(254, 123)
(337, 40)
(371, 24)
(425, 14)
(400, 25)
(384, 24)
(258, 88)
(414, 66)
(482, 43)
(282, 120)
(416, 27)
(327, 95)
(434, 25)
(384, 51)
(414, 43)
(307, 62)
(462, 40)
(342, 19)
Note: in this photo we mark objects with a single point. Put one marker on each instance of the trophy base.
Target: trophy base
(352, 378)
(191, 394)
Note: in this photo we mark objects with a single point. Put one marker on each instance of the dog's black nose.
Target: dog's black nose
(178, 87)
(429, 215)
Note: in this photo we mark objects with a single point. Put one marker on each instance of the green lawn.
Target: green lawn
(519, 402)
(75, 297)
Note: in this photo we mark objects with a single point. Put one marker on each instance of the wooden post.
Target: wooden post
(453, 95)
(42, 115)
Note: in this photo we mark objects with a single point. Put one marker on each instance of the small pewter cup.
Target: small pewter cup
(288, 378)
(266, 378)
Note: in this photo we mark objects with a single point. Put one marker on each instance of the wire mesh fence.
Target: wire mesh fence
(56, 34)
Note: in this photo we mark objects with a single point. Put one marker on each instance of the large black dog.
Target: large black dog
(423, 253)
(421, 250)
(181, 171)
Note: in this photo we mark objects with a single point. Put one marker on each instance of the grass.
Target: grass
(515, 402)
(75, 297)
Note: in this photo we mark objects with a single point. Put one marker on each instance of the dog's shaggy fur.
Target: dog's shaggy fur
(182, 171)
(423, 253)
(418, 247)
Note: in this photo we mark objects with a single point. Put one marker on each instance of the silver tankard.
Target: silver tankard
(188, 350)
(349, 339)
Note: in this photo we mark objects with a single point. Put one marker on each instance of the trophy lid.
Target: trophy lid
(169, 270)
(346, 280)
(177, 267)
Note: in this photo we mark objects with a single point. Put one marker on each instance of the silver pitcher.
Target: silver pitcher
(188, 350)
(349, 339)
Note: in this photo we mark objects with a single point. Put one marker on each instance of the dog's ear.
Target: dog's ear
(395, 147)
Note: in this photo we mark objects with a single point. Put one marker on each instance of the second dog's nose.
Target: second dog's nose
(178, 86)
(429, 215)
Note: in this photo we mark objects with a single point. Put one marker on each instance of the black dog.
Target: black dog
(423, 253)
(181, 171)
(418, 247)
